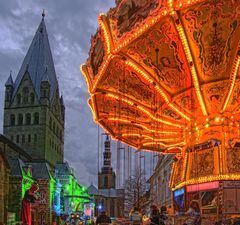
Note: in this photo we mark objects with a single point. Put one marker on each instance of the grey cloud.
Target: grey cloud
(70, 25)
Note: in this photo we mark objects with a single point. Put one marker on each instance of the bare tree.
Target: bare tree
(135, 188)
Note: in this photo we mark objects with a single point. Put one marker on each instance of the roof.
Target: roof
(37, 62)
(16, 166)
(92, 190)
(40, 170)
(14, 147)
(9, 81)
(63, 169)
(113, 193)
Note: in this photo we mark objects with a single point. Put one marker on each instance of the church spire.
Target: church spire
(9, 80)
(43, 14)
(37, 59)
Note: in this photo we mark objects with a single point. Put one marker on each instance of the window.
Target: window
(32, 98)
(12, 119)
(17, 139)
(19, 99)
(28, 118)
(61, 135)
(20, 119)
(23, 138)
(29, 138)
(53, 127)
(50, 123)
(25, 95)
(105, 182)
(36, 118)
(35, 138)
(8, 96)
(11, 138)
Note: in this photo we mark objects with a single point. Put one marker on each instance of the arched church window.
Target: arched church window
(36, 118)
(19, 99)
(12, 119)
(20, 119)
(25, 95)
(32, 98)
(28, 118)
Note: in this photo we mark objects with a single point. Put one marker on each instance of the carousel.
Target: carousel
(163, 76)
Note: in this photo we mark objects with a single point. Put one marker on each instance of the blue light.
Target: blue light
(179, 192)
(99, 207)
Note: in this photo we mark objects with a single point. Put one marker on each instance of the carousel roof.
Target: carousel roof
(159, 71)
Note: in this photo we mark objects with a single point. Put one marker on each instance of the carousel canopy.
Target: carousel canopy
(164, 74)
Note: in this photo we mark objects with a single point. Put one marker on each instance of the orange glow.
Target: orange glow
(205, 179)
(164, 145)
(163, 94)
(154, 98)
(136, 124)
(102, 71)
(106, 33)
(143, 109)
(151, 138)
(86, 77)
(192, 68)
(233, 81)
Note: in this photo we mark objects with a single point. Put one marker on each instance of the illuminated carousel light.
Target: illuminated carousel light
(179, 110)
(192, 68)
(233, 80)
(106, 34)
(147, 77)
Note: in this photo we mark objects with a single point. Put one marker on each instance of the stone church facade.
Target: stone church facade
(34, 110)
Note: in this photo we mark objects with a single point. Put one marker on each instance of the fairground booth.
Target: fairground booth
(163, 76)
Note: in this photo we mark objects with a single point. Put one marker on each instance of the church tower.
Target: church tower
(107, 177)
(34, 110)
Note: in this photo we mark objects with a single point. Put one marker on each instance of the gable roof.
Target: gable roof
(40, 170)
(37, 62)
(16, 166)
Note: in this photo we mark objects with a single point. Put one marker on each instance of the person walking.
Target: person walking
(135, 216)
(103, 218)
(194, 214)
(155, 216)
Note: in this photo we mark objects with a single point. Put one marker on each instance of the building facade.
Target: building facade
(160, 191)
(34, 110)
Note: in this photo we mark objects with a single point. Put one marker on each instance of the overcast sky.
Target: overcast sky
(70, 24)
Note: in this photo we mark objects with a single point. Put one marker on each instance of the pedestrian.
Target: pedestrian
(103, 218)
(155, 216)
(135, 216)
(194, 213)
(163, 215)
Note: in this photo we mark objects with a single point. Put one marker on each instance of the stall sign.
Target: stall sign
(231, 184)
(203, 187)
